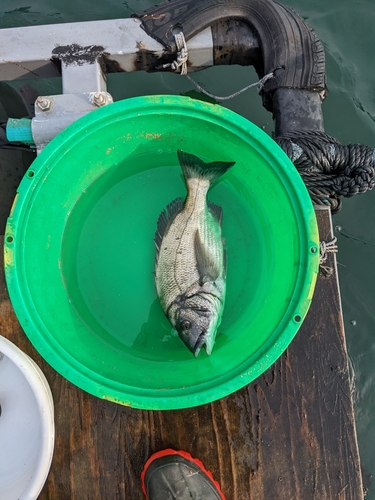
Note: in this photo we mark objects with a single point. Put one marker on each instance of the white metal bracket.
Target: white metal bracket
(82, 54)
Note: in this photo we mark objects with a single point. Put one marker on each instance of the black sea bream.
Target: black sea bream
(190, 267)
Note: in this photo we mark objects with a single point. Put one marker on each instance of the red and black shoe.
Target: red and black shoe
(176, 475)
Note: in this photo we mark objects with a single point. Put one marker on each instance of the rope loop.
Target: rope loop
(182, 55)
(324, 249)
(181, 62)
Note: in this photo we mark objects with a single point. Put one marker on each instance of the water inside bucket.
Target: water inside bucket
(108, 255)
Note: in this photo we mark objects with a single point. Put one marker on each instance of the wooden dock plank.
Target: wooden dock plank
(288, 435)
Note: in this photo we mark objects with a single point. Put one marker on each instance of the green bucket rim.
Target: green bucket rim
(50, 349)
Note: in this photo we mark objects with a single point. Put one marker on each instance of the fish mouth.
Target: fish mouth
(199, 343)
(203, 340)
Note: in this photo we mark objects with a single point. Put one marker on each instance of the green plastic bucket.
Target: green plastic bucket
(79, 252)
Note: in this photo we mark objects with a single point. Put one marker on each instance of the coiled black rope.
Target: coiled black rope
(329, 169)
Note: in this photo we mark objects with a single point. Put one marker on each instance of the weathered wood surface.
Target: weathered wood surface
(288, 435)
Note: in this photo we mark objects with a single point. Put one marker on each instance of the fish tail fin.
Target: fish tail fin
(194, 167)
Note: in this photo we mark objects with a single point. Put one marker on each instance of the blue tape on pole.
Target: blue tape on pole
(19, 130)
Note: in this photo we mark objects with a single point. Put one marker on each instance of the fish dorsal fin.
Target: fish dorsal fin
(194, 167)
(165, 219)
(207, 266)
(216, 211)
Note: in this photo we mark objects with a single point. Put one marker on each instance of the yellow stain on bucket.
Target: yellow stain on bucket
(115, 400)
(8, 257)
(9, 238)
(13, 205)
(152, 136)
(312, 288)
(126, 137)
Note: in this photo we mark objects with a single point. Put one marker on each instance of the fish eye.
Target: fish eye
(185, 325)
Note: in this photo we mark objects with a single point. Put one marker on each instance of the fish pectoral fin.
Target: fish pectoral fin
(216, 211)
(207, 266)
(165, 219)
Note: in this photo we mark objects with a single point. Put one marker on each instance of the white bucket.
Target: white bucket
(27, 431)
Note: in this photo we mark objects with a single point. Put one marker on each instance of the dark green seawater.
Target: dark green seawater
(347, 30)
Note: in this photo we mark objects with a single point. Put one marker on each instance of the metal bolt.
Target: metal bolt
(100, 99)
(43, 103)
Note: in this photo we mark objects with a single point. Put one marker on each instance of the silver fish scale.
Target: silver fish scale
(176, 269)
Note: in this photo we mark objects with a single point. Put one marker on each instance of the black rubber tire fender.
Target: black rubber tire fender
(290, 48)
